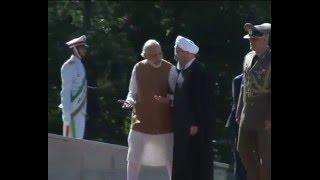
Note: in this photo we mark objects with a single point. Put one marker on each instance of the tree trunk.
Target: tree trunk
(86, 15)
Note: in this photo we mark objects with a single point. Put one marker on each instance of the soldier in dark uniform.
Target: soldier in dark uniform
(254, 107)
(232, 124)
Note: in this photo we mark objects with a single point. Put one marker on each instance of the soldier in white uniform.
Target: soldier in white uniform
(74, 90)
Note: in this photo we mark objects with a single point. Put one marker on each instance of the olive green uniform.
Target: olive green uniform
(254, 144)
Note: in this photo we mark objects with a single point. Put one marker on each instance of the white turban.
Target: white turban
(186, 45)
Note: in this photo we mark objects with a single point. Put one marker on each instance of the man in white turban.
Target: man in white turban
(193, 117)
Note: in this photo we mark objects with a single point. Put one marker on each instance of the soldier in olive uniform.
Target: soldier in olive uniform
(254, 106)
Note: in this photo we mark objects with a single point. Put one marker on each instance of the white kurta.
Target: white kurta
(150, 149)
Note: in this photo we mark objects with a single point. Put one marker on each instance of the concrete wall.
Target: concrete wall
(73, 159)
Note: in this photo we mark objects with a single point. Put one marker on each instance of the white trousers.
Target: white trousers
(148, 150)
(76, 127)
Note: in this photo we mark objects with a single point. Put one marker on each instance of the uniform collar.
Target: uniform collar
(264, 53)
(73, 57)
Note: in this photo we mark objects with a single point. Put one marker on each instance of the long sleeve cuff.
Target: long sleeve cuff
(131, 100)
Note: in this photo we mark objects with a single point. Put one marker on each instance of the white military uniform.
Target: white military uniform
(74, 93)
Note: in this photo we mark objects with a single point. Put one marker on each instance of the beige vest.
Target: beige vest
(149, 116)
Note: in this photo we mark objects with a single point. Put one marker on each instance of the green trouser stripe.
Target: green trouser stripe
(73, 128)
(80, 90)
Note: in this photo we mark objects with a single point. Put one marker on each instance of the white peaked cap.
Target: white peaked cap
(77, 41)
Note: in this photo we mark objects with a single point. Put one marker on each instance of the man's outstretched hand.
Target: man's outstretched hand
(126, 104)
